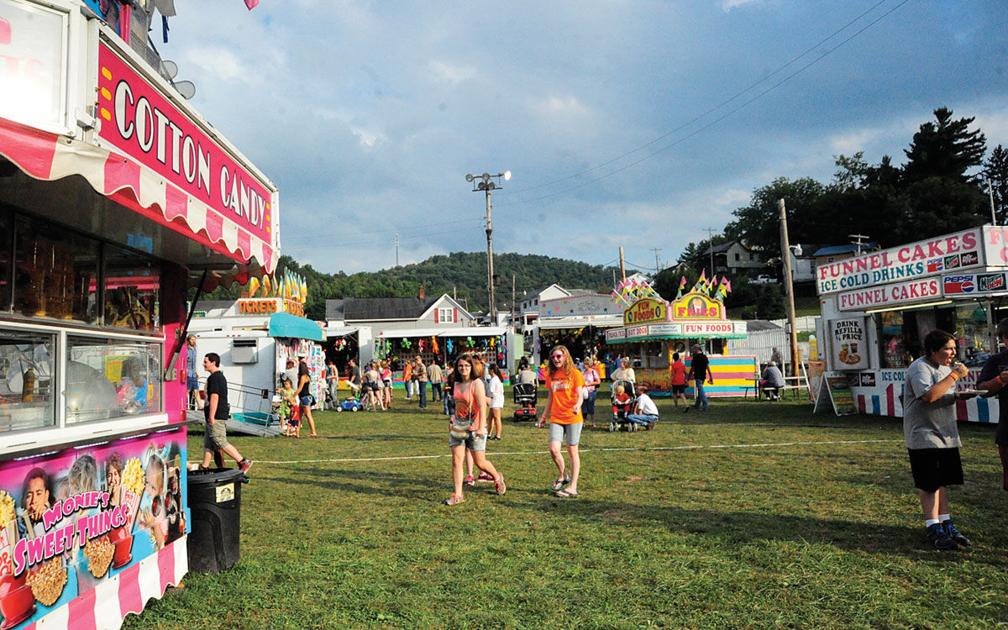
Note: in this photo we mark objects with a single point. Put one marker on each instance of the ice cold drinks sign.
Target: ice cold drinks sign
(907, 262)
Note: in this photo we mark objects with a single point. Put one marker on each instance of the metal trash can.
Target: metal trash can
(215, 506)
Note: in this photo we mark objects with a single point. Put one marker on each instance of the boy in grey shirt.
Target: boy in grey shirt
(932, 436)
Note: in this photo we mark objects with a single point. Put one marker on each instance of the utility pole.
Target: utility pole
(859, 239)
(657, 266)
(397, 249)
(710, 248)
(622, 264)
(789, 288)
(990, 193)
(490, 274)
(485, 183)
(512, 298)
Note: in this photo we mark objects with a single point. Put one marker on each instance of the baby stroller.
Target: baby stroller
(622, 406)
(525, 396)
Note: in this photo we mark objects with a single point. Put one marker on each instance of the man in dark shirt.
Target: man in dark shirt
(699, 371)
(216, 412)
(993, 378)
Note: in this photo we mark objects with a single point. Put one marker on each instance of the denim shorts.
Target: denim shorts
(569, 434)
(475, 443)
(306, 401)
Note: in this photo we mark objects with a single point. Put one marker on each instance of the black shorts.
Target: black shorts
(1001, 432)
(935, 468)
(678, 389)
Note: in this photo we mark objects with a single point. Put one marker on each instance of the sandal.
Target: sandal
(560, 483)
(500, 486)
(469, 481)
(454, 499)
(485, 476)
(566, 494)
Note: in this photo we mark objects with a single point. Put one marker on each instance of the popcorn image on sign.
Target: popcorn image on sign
(47, 581)
(99, 555)
(133, 482)
(8, 532)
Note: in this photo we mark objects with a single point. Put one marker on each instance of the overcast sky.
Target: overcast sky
(615, 117)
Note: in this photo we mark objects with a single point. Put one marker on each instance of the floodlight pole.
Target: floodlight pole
(485, 183)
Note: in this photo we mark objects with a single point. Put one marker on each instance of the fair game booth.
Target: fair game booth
(116, 199)
(877, 308)
(255, 336)
(654, 330)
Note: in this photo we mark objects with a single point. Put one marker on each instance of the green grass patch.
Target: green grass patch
(671, 529)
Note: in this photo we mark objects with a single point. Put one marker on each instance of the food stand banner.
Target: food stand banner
(75, 525)
(931, 257)
(139, 121)
(890, 295)
(646, 310)
(679, 330)
(696, 305)
(849, 343)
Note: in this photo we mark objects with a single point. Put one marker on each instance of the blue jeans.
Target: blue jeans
(641, 418)
(701, 395)
(422, 385)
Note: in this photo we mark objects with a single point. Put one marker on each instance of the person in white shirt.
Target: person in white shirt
(645, 411)
(496, 392)
(624, 372)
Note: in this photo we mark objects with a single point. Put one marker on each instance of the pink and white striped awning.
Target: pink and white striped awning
(48, 156)
(107, 605)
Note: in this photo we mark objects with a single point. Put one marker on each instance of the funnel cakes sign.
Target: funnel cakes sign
(138, 120)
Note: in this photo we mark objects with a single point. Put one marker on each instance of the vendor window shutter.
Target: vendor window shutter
(455, 315)
(437, 311)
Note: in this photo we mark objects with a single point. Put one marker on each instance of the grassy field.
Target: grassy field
(753, 514)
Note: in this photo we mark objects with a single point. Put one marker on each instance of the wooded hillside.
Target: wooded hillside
(460, 273)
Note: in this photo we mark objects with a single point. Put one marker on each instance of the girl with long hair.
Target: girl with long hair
(565, 393)
(467, 427)
(386, 377)
(305, 397)
(496, 401)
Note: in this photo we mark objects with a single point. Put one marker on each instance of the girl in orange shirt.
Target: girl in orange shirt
(565, 392)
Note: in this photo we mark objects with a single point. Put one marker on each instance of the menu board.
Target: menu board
(835, 391)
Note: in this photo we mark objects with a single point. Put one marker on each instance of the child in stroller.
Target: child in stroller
(525, 396)
(623, 395)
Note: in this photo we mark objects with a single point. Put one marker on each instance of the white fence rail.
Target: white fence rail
(761, 344)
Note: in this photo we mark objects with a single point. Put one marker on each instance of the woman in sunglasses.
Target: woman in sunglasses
(565, 392)
(467, 428)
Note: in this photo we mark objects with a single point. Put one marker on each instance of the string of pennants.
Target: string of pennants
(709, 287)
(632, 289)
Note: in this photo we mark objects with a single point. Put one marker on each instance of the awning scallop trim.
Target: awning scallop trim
(48, 156)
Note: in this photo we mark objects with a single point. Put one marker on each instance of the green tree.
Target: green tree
(944, 148)
(758, 224)
(996, 171)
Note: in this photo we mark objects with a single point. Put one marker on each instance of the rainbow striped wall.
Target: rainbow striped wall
(732, 376)
(885, 397)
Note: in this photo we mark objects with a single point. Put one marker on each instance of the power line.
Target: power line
(710, 110)
(713, 122)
